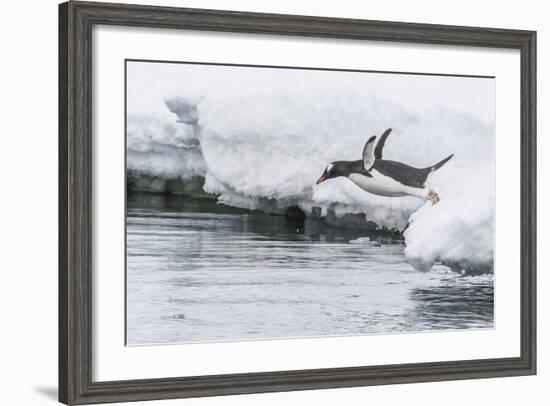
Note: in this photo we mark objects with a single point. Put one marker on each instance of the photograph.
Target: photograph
(270, 202)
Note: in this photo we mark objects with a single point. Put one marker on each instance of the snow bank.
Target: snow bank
(460, 228)
(265, 146)
(158, 146)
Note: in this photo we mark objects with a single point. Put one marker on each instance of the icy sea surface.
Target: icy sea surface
(201, 271)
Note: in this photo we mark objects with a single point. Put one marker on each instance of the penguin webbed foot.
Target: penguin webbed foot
(432, 197)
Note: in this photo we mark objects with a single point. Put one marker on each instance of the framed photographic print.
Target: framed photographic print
(258, 202)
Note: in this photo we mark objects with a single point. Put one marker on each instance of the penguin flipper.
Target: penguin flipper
(380, 144)
(368, 153)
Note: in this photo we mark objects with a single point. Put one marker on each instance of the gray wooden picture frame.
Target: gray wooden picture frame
(76, 20)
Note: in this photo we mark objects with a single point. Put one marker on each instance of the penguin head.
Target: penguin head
(333, 170)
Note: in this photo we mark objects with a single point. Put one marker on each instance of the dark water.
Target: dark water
(199, 271)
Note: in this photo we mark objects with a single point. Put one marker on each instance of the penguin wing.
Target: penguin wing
(380, 144)
(368, 153)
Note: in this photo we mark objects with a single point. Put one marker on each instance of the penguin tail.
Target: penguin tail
(440, 163)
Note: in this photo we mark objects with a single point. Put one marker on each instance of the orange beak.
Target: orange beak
(320, 180)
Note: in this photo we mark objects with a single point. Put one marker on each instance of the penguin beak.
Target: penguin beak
(321, 179)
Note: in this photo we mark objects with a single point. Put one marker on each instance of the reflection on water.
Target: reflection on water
(199, 271)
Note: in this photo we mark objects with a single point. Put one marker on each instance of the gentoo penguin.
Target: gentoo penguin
(384, 177)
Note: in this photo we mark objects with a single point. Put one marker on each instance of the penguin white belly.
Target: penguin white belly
(383, 185)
